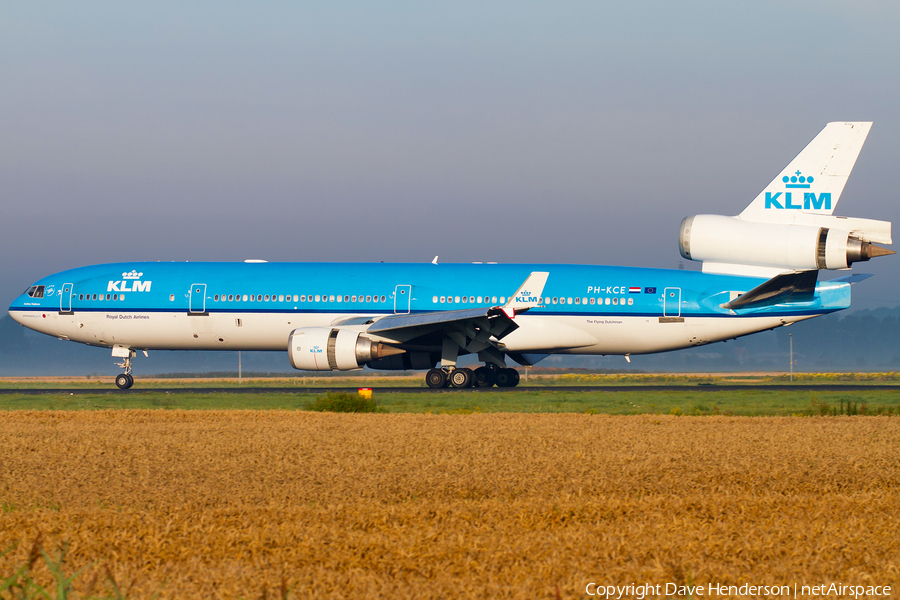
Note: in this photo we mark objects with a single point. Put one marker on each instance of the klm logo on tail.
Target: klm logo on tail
(811, 201)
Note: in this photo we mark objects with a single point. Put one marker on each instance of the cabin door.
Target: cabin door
(198, 298)
(65, 298)
(672, 302)
(402, 299)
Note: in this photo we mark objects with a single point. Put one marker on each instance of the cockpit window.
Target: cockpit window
(36, 291)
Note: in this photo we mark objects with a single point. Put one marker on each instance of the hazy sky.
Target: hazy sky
(516, 132)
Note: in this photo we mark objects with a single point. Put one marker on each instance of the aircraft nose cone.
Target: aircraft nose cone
(15, 316)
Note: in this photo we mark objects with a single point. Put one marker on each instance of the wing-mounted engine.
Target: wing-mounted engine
(826, 243)
(334, 349)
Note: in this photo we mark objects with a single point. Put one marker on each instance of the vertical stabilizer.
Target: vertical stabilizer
(812, 183)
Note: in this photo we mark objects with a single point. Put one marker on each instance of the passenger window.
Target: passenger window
(267, 297)
(577, 300)
(630, 301)
(479, 299)
(593, 300)
(216, 298)
(615, 300)
(554, 299)
(259, 298)
(95, 296)
(434, 299)
(81, 296)
(465, 299)
(346, 298)
(245, 297)
(456, 299)
(382, 298)
(295, 297)
(108, 297)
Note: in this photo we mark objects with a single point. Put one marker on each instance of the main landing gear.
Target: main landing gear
(125, 380)
(486, 376)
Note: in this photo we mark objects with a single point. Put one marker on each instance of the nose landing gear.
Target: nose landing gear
(125, 380)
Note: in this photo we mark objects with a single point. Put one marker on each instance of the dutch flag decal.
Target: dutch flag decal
(634, 290)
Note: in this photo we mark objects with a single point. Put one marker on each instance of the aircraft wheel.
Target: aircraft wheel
(436, 378)
(462, 378)
(130, 381)
(124, 381)
(484, 377)
(507, 378)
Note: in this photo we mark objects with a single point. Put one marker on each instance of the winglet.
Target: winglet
(528, 294)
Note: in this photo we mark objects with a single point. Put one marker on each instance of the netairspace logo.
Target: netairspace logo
(663, 590)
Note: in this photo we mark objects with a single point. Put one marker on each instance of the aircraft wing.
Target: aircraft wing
(406, 327)
(470, 328)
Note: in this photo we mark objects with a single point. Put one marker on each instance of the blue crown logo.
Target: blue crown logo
(797, 181)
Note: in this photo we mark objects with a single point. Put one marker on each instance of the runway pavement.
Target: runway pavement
(837, 387)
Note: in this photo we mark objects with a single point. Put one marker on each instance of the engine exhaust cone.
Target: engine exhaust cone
(383, 350)
(874, 251)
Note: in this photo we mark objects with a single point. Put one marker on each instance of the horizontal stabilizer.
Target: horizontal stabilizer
(851, 279)
(787, 287)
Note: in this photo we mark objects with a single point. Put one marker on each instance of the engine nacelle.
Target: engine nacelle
(731, 240)
(332, 349)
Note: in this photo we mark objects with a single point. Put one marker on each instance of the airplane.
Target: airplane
(759, 271)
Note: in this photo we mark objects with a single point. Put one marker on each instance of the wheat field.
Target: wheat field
(242, 504)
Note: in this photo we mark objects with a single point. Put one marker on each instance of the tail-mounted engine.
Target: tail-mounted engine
(330, 349)
(829, 243)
